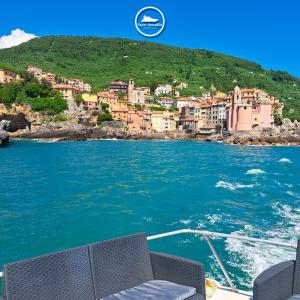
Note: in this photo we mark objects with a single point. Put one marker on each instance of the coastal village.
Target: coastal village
(162, 110)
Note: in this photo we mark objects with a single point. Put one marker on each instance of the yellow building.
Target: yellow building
(8, 76)
(163, 121)
(90, 101)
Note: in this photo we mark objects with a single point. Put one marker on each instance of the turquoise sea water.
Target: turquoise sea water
(60, 195)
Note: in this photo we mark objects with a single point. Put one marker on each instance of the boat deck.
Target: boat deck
(225, 294)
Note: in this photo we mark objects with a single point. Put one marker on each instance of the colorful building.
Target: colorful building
(90, 101)
(69, 93)
(8, 76)
(110, 98)
(163, 89)
(166, 102)
(36, 72)
(249, 109)
(79, 84)
(163, 121)
(182, 102)
(118, 86)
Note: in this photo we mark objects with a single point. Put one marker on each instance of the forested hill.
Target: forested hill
(99, 60)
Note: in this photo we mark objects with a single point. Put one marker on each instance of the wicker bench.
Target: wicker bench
(279, 282)
(98, 271)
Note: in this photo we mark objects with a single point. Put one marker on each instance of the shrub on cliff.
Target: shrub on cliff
(40, 96)
(104, 116)
(278, 120)
(48, 105)
(104, 105)
(60, 118)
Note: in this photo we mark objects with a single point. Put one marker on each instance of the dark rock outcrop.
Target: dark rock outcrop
(4, 137)
(17, 122)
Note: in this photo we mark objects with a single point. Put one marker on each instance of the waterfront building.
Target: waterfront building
(120, 114)
(215, 115)
(90, 101)
(146, 124)
(134, 121)
(249, 109)
(163, 121)
(203, 116)
(69, 93)
(8, 76)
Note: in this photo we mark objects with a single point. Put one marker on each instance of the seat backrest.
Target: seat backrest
(64, 275)
(296, 283)
(120, 264)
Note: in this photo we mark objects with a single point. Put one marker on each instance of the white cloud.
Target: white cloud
(15, 38)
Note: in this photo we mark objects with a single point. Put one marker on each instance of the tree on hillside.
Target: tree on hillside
(103, 117)
(104, 105)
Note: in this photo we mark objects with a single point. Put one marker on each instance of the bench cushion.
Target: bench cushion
(156, 290)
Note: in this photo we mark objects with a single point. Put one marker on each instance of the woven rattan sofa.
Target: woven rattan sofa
(279, 282)
(122, 268)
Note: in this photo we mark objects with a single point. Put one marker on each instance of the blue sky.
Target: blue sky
(266, 32)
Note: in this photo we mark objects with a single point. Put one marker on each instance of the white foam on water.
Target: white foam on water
(214, 218)
(285, 160)
(233, 186)
(253, 258)
(292, 194)
(147, 219)
(185, 222)
(255, 172)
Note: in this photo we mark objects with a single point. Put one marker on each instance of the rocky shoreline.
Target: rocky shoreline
(252, 139)
(4, 138)
(94, 133)
(82, 126)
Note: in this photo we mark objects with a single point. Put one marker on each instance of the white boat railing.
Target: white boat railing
(207, 235)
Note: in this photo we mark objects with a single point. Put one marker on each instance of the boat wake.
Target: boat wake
(253, 258)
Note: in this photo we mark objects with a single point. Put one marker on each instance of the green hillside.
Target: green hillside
(99, 60)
